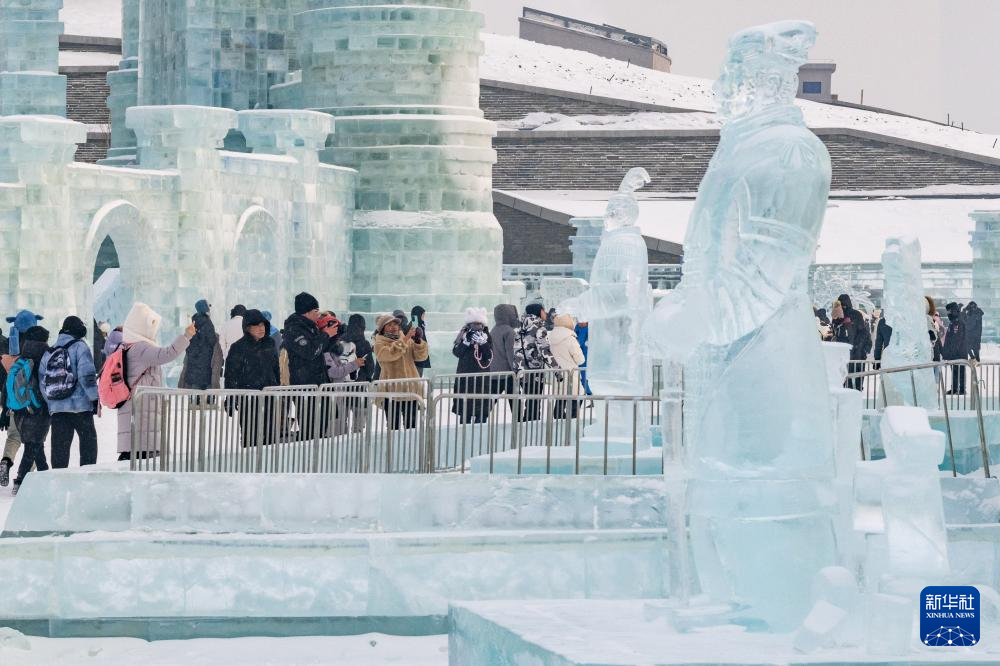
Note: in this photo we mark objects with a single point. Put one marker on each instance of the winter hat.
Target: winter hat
(22, 321)
(74, 326)
(141, 325)
(565, 321)
(382, 321)
(475, 316)
(238, 311)
(401, 316)
(534, 309)
(253, 318)
(305, 302)
(202, 307)
(267, 314)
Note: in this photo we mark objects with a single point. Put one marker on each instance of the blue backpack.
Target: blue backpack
(21, 389)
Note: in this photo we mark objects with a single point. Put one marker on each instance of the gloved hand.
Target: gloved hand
(479, 338)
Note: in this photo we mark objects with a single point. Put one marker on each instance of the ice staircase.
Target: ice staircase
(157, 555)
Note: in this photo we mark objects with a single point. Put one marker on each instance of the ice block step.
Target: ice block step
(399, 575)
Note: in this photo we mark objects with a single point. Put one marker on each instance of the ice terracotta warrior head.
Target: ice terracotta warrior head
(623, 209)
(762, 69)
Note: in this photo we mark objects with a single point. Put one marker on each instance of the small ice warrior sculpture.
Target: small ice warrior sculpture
(905, 310)
(616, 306)
(757, 438)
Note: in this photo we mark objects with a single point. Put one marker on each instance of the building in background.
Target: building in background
(603, 40)
(816, 81)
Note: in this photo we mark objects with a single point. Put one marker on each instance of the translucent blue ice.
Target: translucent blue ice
(758, 441)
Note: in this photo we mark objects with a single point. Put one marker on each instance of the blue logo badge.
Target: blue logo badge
(949, 616)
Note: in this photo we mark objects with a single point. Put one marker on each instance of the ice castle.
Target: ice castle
(358, 165)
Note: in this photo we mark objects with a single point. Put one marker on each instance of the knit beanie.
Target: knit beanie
(74, 326)
(202, 307)
(305, 302)
(37, 334)
(238, 311)
(253, 318)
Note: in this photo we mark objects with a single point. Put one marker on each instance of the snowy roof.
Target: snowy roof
(88, 59)
(519, 61)
(515, 60)
(854, 231)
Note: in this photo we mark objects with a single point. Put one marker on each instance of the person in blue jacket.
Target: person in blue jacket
(74, 414)
(582, 333)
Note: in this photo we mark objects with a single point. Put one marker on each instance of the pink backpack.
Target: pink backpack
(112, 386)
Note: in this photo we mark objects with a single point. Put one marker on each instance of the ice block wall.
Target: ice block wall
(124, 86)
(986, 270)
(212, 53)
(403, 81)
(29, 58)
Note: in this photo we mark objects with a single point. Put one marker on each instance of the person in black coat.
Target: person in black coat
(474, 350)
(305, 345)
(883, 334)
(855, 333)
(252, 365)
(955, 347)
(973, 316)
(33, 424)
(417, 315)
(203, 360)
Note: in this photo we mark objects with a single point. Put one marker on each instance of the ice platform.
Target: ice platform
(563, 460)
(627, 633)
(157, 555)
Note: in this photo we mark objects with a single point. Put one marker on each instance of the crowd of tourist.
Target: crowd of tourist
(957, 339)
(62, 385)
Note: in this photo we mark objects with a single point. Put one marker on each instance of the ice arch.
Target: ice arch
(122, 222)
(257, 262)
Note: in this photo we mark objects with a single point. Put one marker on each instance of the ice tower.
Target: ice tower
(402, 79)
(124, 87)
(30, 82)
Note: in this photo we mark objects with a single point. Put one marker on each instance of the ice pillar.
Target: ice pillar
(318, 259)
(30, 82)
(402, 78)
(34, 237)
(186, 139)
(986, 270)
(124, 85)
(905, 310)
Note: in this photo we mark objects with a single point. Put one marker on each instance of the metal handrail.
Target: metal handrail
(974, 387)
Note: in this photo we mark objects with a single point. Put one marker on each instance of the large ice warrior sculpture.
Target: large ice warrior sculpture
(616, 306)
(758, 442)
(905, 310)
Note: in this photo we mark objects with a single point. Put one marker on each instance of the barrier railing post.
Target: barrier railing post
(974, 377)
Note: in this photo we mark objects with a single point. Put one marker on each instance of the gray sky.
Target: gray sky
(924, 57)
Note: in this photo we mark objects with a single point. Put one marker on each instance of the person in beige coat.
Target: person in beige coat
(397, 355)
(144, 359)
(568, 353)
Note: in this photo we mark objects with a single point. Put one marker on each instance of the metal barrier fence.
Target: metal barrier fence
(289, 431)
(390, 426)
(958, 387)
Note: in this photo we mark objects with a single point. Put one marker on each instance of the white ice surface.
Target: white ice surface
(368, 649)
(107, 452)
(853, 231)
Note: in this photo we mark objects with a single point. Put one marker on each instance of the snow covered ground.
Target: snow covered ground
(368, 649)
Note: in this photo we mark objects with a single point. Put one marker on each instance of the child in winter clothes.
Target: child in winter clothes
(32, 422)
(24, 320)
